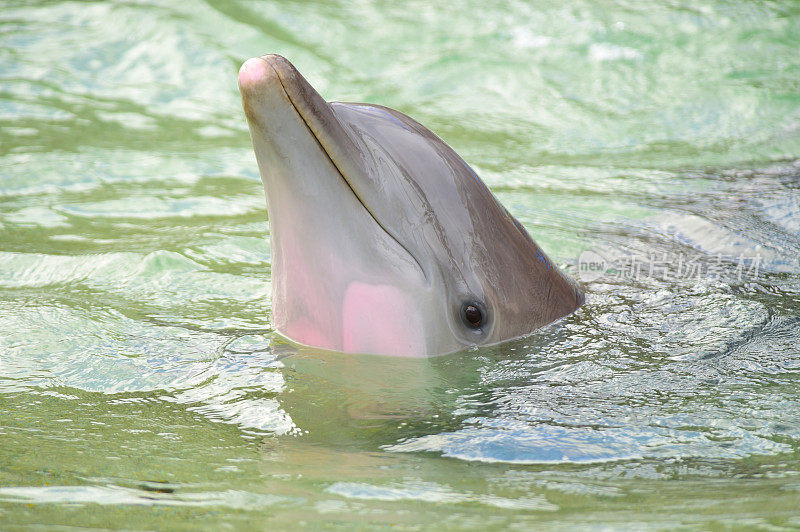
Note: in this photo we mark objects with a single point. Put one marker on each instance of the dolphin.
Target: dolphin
(383, 240)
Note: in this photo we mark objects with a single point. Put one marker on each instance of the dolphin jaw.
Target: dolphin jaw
(260, 76)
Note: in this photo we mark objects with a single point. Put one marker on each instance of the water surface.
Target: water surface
(141, 385)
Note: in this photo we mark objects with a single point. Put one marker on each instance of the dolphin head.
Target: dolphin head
(383, 239)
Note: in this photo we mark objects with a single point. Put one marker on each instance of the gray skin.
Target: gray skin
(381, 234)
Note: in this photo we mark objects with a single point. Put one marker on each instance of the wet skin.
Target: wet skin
(383, 239)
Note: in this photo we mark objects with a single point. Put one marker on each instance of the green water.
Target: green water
(141, 386)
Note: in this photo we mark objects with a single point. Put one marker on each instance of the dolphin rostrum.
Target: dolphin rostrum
(383, 239)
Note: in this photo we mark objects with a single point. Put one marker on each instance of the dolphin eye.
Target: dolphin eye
(472, 315)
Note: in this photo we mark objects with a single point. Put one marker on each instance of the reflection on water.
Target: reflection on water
(141, 385)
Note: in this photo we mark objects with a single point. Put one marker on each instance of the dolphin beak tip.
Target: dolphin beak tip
(255, 72)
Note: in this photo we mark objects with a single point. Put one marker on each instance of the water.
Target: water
(141, 385)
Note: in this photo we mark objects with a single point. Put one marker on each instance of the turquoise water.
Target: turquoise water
(142, 387)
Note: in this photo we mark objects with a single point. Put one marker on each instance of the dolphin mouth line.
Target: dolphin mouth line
(339, 171)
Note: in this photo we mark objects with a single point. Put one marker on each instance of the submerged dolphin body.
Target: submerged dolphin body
(383, 239)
